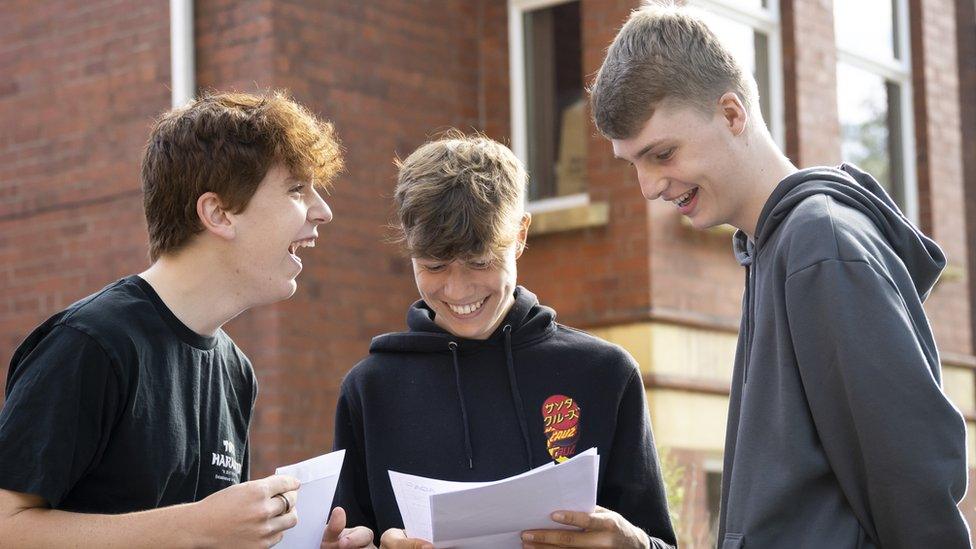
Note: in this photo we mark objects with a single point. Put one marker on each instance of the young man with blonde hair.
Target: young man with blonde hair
(126, 415)
(485, 384)
(839, 434)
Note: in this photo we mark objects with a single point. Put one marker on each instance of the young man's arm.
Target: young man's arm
(895, 443)
(634, 508)
(241, 516)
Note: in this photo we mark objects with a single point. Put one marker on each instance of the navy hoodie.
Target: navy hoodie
(428, 403)
(839, 434)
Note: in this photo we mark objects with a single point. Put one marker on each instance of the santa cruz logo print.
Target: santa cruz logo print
(561, 417)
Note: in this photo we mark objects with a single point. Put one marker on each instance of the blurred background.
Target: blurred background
(887, 84)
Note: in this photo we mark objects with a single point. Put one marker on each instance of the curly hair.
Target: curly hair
(225, 143)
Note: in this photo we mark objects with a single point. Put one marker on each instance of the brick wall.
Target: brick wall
(82, 82)
(940, 168)
(966, 34)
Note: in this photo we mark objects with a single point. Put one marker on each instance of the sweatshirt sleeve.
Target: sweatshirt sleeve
(633, 485)
(352, 493)
(894, 441)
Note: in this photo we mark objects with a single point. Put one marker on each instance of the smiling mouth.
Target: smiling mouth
(466, 310)
(686, 198)
(296, 245)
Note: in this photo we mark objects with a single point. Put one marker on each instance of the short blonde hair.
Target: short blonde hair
(664, 52)
(459, 197)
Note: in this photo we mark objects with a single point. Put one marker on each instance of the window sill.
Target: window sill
(571, 218)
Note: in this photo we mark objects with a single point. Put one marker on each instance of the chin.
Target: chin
(283, 292)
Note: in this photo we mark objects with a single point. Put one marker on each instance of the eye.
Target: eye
(434, 267)
(480, 264)
(665, 155)
(297, 189)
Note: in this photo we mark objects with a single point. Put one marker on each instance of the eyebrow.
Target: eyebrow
(643, 151)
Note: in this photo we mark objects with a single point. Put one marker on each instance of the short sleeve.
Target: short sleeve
(62, 401)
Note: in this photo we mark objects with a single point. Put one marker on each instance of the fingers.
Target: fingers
(337, 523)
(277, 484)
(396, 538)
(587, 521)
(565, 538)
(597, 527)
(356, 538)
(277, 525)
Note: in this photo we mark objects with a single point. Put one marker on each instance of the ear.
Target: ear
(733, 112)
(214, 217)
(523, 234)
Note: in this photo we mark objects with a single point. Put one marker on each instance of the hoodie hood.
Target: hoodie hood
(850, 186)
(528, 320)
(526, 323)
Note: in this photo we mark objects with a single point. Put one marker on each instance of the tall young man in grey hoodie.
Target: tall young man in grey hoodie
(839, 434)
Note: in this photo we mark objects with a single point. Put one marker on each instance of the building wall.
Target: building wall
(82, 81)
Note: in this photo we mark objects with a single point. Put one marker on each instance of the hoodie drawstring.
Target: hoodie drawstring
(516, 396)
(464, 411)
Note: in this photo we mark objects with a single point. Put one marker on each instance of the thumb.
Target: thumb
(337, 523)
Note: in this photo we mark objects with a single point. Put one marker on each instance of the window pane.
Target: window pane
(751, 49)
(555, 106)
(867, 27)
(870, 118)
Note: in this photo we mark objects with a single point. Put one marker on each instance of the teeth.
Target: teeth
(467, 309)
(293, 247)
(684, 199)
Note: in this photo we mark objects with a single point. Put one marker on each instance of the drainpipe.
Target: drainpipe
(183, 83)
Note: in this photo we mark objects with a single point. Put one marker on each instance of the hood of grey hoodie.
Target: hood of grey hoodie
(855, 188)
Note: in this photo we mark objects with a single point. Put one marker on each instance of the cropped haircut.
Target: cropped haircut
(225, 143)
(664, 53)
(459, 197)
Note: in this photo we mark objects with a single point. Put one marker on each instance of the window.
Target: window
(549, 126)
(874, 94)
(750, 30)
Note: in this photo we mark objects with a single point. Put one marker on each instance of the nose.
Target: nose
(456, 285)
(319, 213)
(651, 185)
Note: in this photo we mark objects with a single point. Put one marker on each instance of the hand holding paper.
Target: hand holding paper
(601, 528)
(319, 477)
(493, 514)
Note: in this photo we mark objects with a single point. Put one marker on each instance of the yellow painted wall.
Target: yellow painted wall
(696, 421)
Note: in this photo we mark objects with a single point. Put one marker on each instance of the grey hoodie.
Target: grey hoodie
(839, 434)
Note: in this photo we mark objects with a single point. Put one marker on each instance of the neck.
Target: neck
(764, 168)
(195, 289)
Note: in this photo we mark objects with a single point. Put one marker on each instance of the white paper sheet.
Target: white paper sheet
(319, 477)
(493, 514)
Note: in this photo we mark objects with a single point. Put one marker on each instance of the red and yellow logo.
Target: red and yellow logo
(561, 416)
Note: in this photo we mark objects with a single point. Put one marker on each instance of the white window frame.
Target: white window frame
(519, 106)
(767, 21)
(900, 73)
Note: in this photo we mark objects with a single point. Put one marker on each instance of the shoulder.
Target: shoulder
(372, 369)
(109, 314)
(821, 228)
(78, 330)
(590, 348)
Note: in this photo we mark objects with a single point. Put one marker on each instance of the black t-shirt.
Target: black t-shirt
(113, 405)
